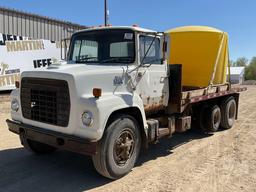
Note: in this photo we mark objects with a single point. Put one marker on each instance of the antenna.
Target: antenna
(106, 12)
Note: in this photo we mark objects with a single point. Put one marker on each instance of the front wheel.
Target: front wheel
(119, 148)
(36, 147)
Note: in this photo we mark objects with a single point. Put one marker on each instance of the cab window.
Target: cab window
(153, 52)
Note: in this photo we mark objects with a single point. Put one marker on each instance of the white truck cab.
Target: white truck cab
(107, 100)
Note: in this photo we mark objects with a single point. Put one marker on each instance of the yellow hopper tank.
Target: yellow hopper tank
(203, 53)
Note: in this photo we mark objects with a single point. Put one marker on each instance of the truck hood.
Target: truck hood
(77, 69)
(82, 78)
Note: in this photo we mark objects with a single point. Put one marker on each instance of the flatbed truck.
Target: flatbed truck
(115, 95)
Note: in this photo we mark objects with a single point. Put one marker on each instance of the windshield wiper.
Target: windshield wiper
(85, 59)
(117, 59)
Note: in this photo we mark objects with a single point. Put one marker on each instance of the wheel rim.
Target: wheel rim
(216, 119)
(231, 113)
(124, 147)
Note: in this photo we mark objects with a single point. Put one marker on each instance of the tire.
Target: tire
(202, 118)
(112, 159)
(213, 118)
(210, 118)
(36, 147)
(228, 113)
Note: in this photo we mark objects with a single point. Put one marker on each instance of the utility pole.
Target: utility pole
(106, 12)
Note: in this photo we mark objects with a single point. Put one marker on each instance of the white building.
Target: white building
(236, 75)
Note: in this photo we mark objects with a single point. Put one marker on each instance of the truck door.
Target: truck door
(153, 85)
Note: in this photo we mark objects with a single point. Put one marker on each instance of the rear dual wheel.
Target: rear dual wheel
(212, 117)
(228, 112)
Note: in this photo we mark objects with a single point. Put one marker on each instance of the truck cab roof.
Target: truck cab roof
(134, 28)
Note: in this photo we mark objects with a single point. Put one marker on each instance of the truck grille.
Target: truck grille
(45, 100)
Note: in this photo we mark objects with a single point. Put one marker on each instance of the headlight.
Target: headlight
(15, 105)
(87, 118)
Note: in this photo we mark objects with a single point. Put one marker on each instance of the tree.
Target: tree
(250, 71)
(241, 62)
(232, 63)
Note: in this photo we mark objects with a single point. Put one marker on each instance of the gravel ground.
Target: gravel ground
(225, 161)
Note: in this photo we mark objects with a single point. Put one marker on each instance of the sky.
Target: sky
(236, 17)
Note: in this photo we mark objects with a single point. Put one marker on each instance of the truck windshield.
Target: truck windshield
(103, 46)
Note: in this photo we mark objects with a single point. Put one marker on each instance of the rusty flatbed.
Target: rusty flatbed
(181, 96)
(194, 96)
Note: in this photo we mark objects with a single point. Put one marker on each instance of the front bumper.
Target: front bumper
(53, 138)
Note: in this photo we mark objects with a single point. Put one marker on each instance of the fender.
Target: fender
(109, 104)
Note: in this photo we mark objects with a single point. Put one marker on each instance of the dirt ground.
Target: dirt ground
(225, 161)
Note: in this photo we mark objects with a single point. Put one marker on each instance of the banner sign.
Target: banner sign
(19, 54)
